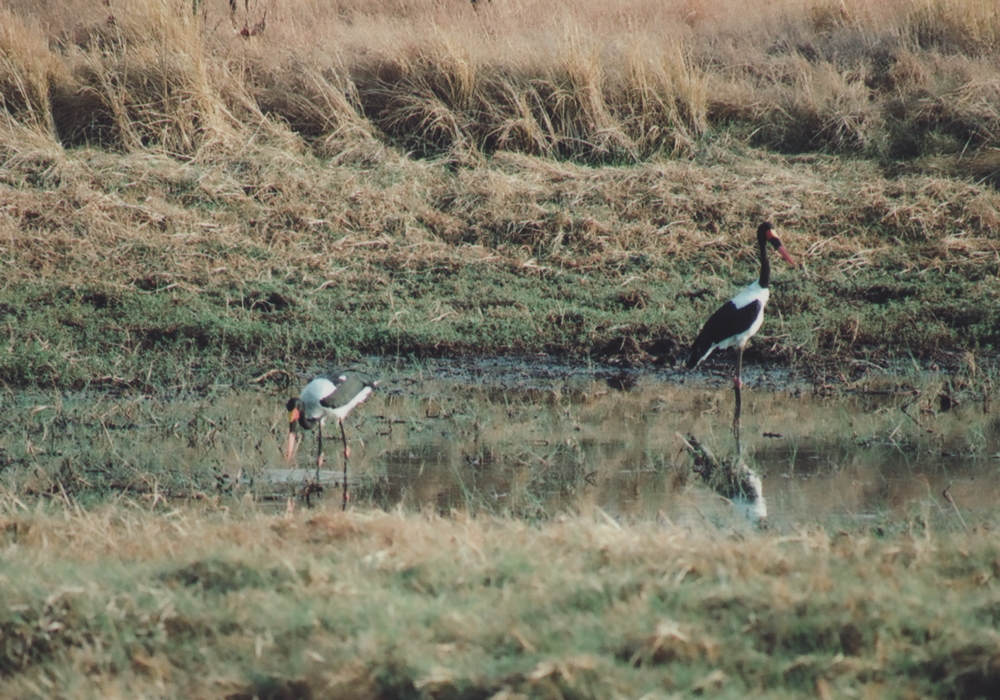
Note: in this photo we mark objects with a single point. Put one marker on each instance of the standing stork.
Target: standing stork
(739, 319)
(326, 397)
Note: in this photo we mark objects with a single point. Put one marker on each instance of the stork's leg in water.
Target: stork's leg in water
(347, 453)
(319, 450)
(738, 392)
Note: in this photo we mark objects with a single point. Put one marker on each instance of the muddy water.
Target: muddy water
(534, 441)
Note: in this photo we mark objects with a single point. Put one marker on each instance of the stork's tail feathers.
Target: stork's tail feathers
(701, 349)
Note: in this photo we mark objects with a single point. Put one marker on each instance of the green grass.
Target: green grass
(441, 263)
(76, 336)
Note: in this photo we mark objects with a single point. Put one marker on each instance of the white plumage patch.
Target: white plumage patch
(748, 295)
(342, 411)
(321, 388)
(315, 391)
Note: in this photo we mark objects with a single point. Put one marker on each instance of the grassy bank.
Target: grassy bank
(183, 203)
(228, 602)
(147, 271)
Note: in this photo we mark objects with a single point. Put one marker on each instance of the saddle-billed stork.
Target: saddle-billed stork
(326, 397)
(739, 319)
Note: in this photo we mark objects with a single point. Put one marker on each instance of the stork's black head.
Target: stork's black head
(296, 414)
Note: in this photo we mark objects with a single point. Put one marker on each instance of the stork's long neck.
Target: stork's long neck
(765, 266)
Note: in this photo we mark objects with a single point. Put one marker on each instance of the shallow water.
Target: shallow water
(508, 440)
(507, 437)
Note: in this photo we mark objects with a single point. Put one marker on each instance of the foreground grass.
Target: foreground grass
(129, 600)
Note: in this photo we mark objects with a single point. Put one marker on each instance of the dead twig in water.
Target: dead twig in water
(730, 480)
(947, 496)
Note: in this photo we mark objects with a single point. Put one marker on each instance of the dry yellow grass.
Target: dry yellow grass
(588, 80)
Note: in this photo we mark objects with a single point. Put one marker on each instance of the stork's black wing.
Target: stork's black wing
(347, 387)
(726, 322)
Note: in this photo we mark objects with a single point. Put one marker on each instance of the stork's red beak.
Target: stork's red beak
(293, 417)
(784, 253)
(773, 239)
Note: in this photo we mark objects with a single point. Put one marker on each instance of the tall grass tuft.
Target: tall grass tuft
(588, 81)
(27, 71)
(142, 79)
